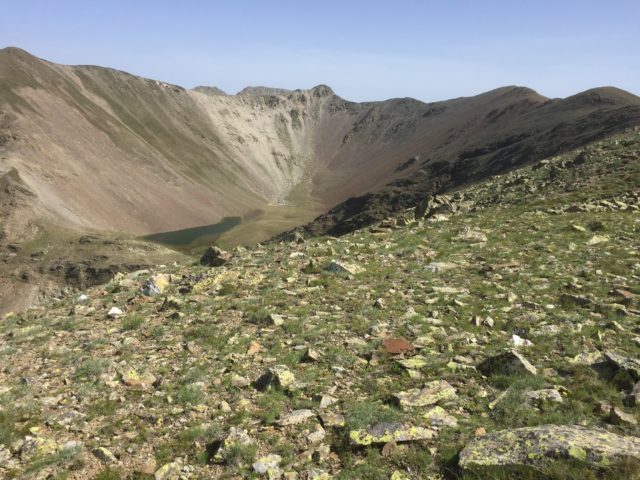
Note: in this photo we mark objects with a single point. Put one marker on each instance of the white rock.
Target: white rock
(341, 267)
(276, 319)
(597, 239)
(546, 394)
(114, 312)
(327, 400)
(317, 435)
(267, 463)
(296, 417)
(518, 341)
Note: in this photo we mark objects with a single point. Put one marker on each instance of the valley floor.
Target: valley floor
(496, 338)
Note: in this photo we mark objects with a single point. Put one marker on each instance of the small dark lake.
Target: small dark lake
(190, 237)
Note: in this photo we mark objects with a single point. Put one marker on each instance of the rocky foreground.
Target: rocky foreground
(495, 336)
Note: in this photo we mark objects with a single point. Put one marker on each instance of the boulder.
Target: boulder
(105, 456)
(537, 446)
(214, 257)
(518, 341)
(296, 417)
(268, 465)
(414, 363)
(385, 432)
(332, 419)
(169, 471)
(114, 312)
(432, 393)
(438, 417)
(618, 416)
(471, 236)
(598, 239)
(279, 376)
(5, 456)
(633, 399)
(536, 397)
(630, 365)
(507, 363)
(395, 346)
(342, 267)
(155, 285)
(35, 446)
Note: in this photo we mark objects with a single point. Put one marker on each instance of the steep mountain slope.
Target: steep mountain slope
(108, 150)
(495, 337)
(471, 139)
(101, 151)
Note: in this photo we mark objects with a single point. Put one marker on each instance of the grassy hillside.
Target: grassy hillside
(376, 355)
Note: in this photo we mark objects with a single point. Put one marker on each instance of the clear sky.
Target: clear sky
(363, 49)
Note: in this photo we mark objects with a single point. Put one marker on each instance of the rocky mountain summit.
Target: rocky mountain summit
(492, 332)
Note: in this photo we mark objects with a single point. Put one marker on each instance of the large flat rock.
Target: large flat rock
(536, 446)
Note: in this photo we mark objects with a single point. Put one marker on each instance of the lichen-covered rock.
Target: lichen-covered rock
(296, 417)
(318, 474)
(38, 447)
(472, 236)
(438, 417)
(170, 471)
(618, 416)
(105, 456)
(536, 446)
(215, 281)
(5, 455)
(433, 392)
(155, 285)
(317, 436)
(398, 475)
(597, 239)
(278, 375)
(535, 397)
(414, 363)
(630, 365)
(332, 419)
(389, 432)
(507, 363)
(239, 381)
(268, 465)
(342, 267)
(131, 378)
(276, 319)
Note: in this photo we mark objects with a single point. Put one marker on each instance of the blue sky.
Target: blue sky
(365, 50)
